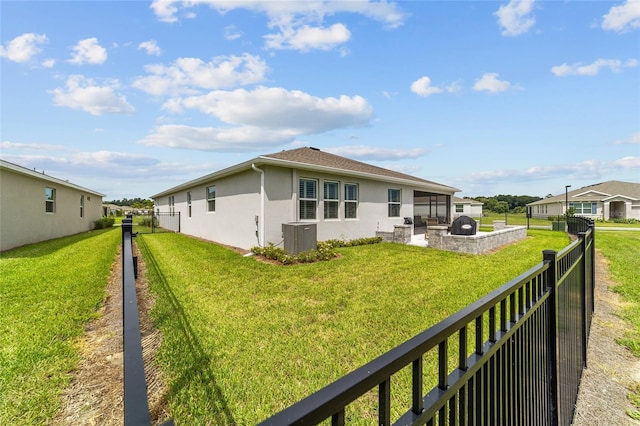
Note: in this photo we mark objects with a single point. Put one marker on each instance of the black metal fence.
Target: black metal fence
(157, 222)
(136, 405)
(523, 366)
(577, 224)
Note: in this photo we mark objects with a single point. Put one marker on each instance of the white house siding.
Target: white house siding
(232, 222)
(23, 219)
(238, 203)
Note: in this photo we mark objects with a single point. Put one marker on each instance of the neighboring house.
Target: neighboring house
(467, 207)
(607, 200)
(246, 205)
(112, 210)
(37, 207)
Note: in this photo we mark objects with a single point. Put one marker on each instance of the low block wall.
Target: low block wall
(400, 234)
(440, 239)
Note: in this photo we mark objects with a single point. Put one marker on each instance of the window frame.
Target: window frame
(392, 204)
(592, 206)
(189, 203)
(331, 205)
(351, 203)
(82, 206)
(211, 200)
(49, 200)
(459, 206)
(306, 201)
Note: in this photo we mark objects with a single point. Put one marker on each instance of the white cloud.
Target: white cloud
(31, 146)
(88, 51)
(258, 118)
(220, 139)
(489, 82)
(278, 108)
(634, 139)
(594, 68)
(48, 63)
(588, 169)
(369, 153)
(299, 23)
(232, 33)
(423, 87)
(307, 38)
(190, 75)
(82, 93)
(515, 17)
(382, 11)
(622, 18)
(23, 48)
(151, 47)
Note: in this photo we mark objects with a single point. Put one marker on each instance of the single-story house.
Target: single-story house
(467, 207)
(38, 207)
(608, 200)
(246, 205)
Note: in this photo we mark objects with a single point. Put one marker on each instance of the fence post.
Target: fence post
(583, 296)
(549, 258)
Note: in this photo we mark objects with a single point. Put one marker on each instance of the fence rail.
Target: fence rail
(524, 366)
(136, 405)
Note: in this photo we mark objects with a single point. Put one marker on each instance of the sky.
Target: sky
(129, 98)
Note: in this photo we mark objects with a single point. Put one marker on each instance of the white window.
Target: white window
(211, 198)
(308, 196)
(189, 203)
(459, 208)
(172, 205)
(350, 201)
(82, 206)
(331, 200)
(394, 202)
(585, 208)
(49, 200)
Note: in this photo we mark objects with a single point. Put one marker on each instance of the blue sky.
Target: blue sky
(131, 98)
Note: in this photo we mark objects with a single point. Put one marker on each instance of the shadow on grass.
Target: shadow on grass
(199, 376)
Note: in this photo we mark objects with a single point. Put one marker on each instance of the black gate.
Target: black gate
(157, 222)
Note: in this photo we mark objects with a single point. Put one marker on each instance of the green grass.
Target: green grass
(48, 292)
(622, 249)
(244, 339)
(521, 219)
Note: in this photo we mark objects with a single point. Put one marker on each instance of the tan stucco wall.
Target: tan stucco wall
(23, 219)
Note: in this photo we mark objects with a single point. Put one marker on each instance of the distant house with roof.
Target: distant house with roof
(245, 205)
(467, 207)
(608, 200)
(38, 207)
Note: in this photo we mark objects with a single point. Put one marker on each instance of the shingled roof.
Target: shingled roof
(315, 157)
(605, 189)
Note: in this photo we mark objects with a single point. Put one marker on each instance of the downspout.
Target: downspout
(261, 217)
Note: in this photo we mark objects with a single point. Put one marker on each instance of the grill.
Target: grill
(464, 225)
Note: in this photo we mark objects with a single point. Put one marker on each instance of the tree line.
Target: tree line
(506, 203)
(136, 203)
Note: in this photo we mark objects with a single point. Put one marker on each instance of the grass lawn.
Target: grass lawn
(622, 249)
(521, 219)
(48, 292)
(244, 339)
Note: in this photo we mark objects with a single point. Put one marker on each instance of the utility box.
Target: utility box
(299, 236)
